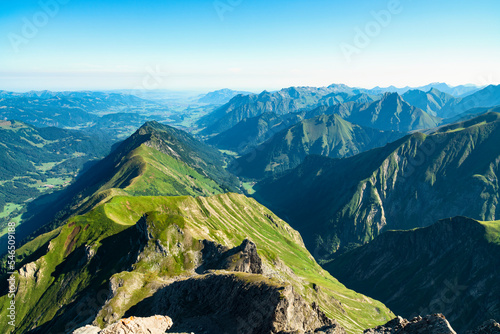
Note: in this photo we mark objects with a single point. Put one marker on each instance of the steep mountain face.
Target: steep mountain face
(156, 160)
(391, 112)
(431, 102)
(221, 96)
(486, 98)
(222, 262)
(413, 182)
(241, 107)
(327, 135)
(451, 267)
(285, 101)
(337, 97)
(251, 132)
(36, 161)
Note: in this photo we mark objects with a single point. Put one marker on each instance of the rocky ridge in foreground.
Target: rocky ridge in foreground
(431, 324)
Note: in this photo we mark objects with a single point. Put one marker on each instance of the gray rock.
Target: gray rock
(431, 324)
(157, 324)
(87, 330)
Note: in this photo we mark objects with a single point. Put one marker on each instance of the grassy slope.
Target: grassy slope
(161, 174)
(226, 219)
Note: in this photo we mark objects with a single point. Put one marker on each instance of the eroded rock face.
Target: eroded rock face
(489, 327)
(235, 304)
(152, 325)
(431, 324)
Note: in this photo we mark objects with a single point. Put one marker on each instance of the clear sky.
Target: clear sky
(246, 44)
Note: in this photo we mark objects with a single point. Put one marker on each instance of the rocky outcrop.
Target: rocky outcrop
(431, 324)
(87, 330)
(243, 258)
(489, 327)
(235, 303)
(152, 325)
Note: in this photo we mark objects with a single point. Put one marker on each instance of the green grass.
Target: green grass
(167, 175)
(248, 186)
(46, 166)
(8, 209)
(492, 231)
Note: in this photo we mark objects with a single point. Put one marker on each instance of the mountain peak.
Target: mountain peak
(391, 97)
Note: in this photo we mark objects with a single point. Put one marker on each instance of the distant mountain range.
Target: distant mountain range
(451, 267)
(221, 96)
(340, 203)
(95, 100)
(391, 113)
(431, 102)
(456, 91)
(285, 101)
(118, 115)
(328, 135)
(486, 98)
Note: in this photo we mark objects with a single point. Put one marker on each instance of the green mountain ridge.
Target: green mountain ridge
(327, 135)
(451, 267)
(168, 161)
(337, 204)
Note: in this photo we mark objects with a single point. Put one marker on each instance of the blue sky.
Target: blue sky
(246, 44)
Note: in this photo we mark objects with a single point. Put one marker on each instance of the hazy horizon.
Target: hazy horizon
(246, 45)
(208, 90)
